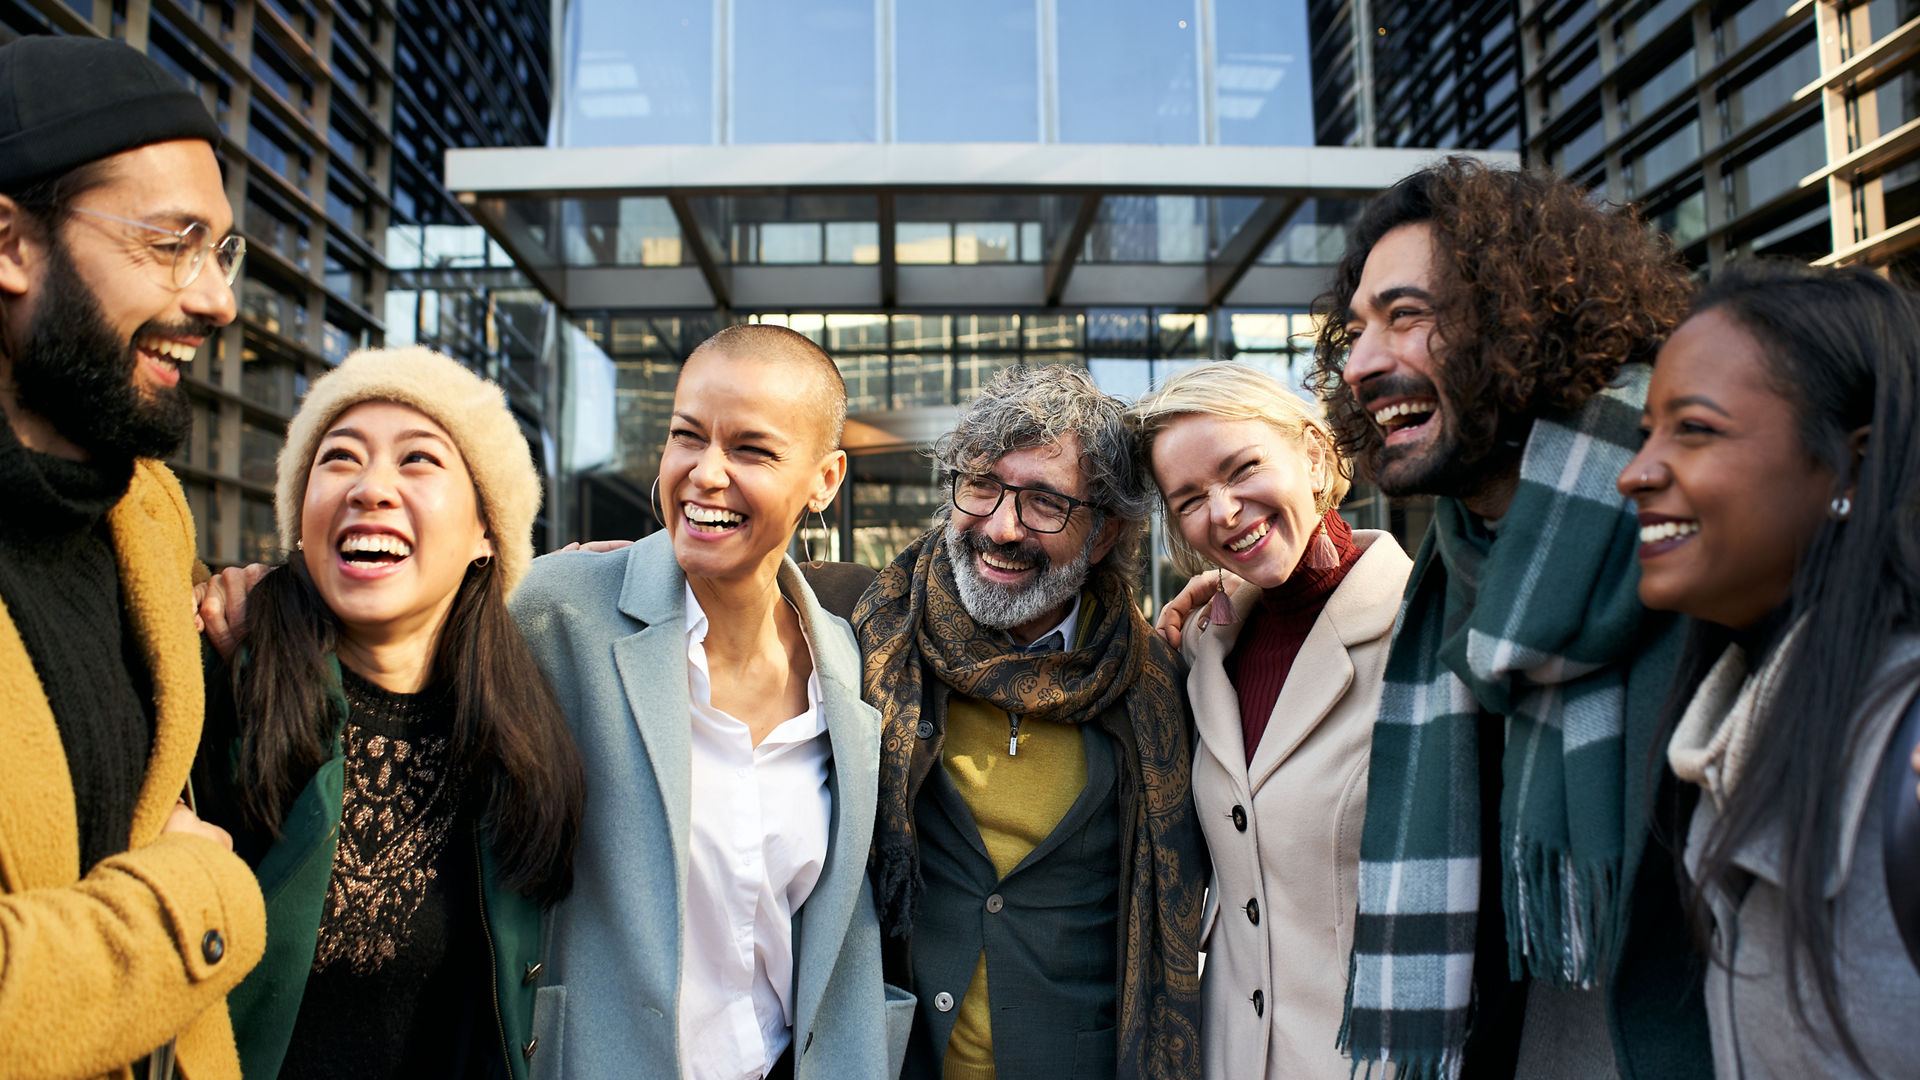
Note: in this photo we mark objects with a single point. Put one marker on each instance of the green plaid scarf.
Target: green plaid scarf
(1539, 624)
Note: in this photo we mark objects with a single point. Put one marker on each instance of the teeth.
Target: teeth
(178, 352)
(1404, 408)
(1002, 564)
(375, 544)
(1667, 530)
(701, 515)
(1250, 539)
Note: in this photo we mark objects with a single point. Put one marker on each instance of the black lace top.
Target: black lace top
(401, 984)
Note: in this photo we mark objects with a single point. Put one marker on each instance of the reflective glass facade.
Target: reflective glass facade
(336, 115)
(1164, 72)
(1743, 127)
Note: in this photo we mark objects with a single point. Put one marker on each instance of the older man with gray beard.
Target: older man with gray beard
(1037, 863)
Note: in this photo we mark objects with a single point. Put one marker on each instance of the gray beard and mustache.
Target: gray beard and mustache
(77, 374)
(1002, 607)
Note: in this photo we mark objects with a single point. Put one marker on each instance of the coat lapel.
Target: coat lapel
(853, 729)
(652, 665)
(1216, 703)
(39, 834)
(1361, 609)
(156, 588)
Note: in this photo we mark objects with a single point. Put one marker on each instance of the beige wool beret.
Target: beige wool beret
(471, 409)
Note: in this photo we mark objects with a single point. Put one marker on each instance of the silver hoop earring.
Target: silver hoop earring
(653, 503)
(1841, 506)
(824, 534)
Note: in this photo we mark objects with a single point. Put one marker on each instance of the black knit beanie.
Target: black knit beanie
(65, 101)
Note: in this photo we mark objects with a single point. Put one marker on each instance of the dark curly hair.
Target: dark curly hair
(1541, 296)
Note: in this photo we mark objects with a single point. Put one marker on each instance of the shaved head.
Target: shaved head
(825, 403)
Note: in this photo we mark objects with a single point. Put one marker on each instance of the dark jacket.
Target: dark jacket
(294, 871)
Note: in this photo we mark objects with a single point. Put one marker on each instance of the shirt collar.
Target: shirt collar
(1068, 629)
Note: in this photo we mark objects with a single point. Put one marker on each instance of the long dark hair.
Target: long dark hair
(510, 739)
(1844, 346)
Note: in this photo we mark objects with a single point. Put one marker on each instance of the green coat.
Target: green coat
(293, 877)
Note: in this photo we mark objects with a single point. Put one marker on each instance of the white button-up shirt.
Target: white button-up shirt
(757, 845)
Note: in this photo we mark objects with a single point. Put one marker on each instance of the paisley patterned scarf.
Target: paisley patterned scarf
(911, 623)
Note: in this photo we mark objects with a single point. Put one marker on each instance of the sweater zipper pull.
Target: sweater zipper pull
(1013, 735)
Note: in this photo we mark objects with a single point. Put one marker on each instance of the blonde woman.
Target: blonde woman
(1284, 679)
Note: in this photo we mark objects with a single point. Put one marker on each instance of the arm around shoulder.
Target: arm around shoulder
(99, 973)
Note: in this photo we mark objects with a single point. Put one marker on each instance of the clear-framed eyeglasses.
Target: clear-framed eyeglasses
(1037, 509)
(187, 249)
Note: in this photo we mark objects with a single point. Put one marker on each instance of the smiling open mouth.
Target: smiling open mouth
(166, 349)
(706, 519)
(1004, 564)
(373, 549)
(1252, 537)
(1404, 415)
(1667, 530)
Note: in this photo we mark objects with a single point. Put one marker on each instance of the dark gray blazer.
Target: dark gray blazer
(609, 630)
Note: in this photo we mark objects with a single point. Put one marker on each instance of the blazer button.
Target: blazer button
(1259, 1003)
(1240, 818)
(995, 903)
(943, 1001)
(1253, 911)
(533, 973)
(532, 1045)
(213, 947)
(925, 730)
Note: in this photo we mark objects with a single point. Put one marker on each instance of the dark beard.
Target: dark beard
(77, 374)
(1454, 464)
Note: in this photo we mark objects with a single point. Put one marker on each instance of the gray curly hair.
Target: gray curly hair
(1025, 407)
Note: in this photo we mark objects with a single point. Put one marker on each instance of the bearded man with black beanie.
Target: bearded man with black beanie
(124, 919)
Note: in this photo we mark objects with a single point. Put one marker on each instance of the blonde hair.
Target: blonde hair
(1235, 391)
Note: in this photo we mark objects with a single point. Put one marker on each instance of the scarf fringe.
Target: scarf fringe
(897, 885)
(1559, 916)
(1440, 1064)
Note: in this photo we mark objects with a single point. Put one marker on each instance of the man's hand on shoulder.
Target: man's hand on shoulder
(220, 605)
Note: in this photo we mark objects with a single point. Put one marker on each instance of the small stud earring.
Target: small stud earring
(1842, 505)
(299, 545)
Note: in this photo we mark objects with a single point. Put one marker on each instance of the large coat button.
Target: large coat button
(995, 903)
(533, 973)
(1240, 818)
(1259, 1003)
(527, 1050)
(925, 730)
(213, 946)
(943, 1001)
(1253, 911)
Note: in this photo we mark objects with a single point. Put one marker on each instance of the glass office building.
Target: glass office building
(336, 115)
(1758, 127)
(933, 192)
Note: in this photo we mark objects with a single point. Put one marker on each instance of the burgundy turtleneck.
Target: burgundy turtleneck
(1277, 627)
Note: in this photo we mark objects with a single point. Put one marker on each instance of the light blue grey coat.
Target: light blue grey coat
(609, 630)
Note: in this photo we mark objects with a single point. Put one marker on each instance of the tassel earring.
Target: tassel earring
(1220, 608)
(1321, 554)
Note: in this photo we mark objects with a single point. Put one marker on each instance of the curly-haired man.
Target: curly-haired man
(1487, 342)
(1035, 792)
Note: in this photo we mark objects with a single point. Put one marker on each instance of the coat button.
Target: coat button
(533, 973)
(1240, 818)
(1259, 1003)
(1253, 911)
(925, 729)
(532, 1045)
(943, 1001)
(995, 903)
(213, 946)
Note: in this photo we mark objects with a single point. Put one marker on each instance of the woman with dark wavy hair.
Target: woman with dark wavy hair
(1779, 500)
(389, 758)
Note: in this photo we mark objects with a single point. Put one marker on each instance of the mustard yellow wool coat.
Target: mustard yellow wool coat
(97, 972)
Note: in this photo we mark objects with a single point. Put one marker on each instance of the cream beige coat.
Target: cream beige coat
(1281, 907)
